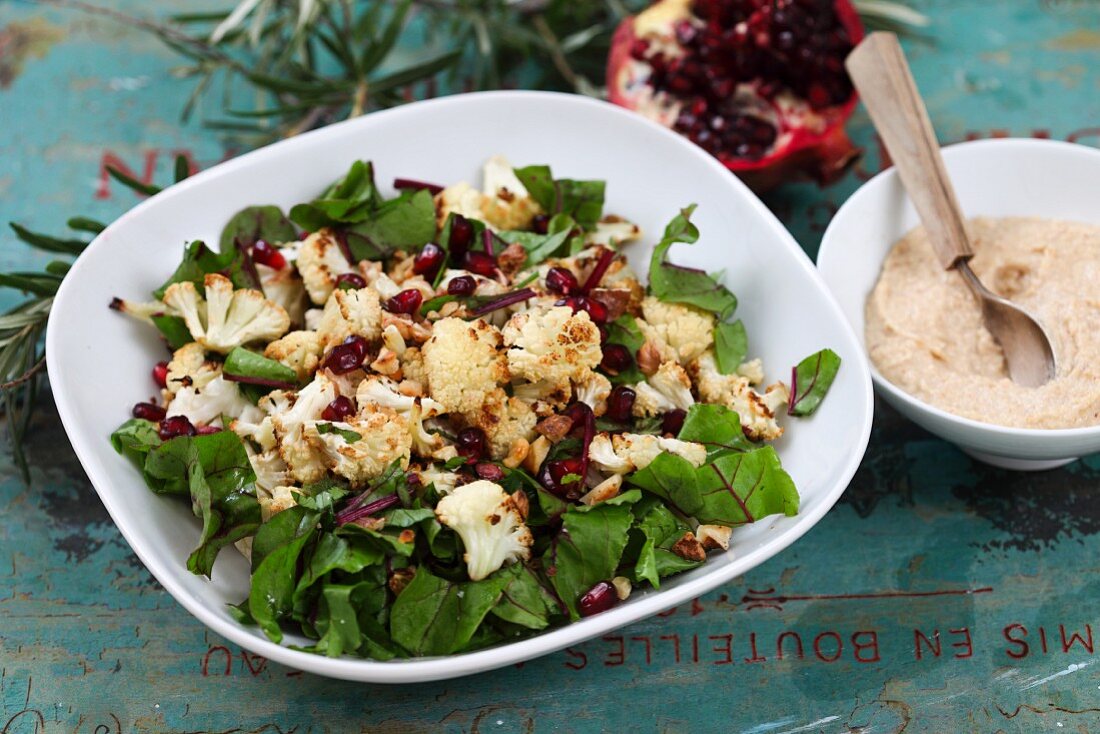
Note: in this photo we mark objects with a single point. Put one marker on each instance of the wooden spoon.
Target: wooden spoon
(881, 75)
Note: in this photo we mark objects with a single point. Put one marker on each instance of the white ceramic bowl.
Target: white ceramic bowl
(99, 361)
(994, 178)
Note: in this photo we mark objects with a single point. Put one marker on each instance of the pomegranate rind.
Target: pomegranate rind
(823, 156)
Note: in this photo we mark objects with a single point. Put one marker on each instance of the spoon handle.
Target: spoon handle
(881, 75)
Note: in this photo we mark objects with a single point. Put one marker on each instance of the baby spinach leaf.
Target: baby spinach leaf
(624, 330)
(731, 344)
(677, 284)
(336, 553)
(254, 223)
(742, 488)
(256, 369)
(434, 616)
(716, 427)
(524, 600)
(173, 329)
(538, 246)
(280, 529)
(810, 380)
(658, 529)
(274, 581)
(135, 438)
(733, 489)
(348, 200)
(405, 222)
(200, 261)
(349, 436)
(337, 621)
(402, 518)
(214, 471)
(586, 550)
(582, 200)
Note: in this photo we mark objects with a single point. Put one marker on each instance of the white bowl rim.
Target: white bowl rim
(417, 670)
(886, 178)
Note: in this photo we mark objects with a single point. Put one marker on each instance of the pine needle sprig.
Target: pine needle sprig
(22, 328)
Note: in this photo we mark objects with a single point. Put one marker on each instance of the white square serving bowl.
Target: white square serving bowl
(1008, 177)
(99, 361)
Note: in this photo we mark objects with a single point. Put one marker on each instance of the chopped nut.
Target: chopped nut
(410, 331)
(370, 523)
(393, 340)
(512, 258)
(400, 578)
(617, 301)
(714, 537)
(622, 587)
(407, 535)
(450, 308)
(555, 427)
(689, 548)
(649, 358)
(604, 491)
(539, 449)
(411, 389)
(387, 363)
(517, 453)
(521, 503)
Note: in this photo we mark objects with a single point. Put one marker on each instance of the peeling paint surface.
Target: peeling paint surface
(939, 595)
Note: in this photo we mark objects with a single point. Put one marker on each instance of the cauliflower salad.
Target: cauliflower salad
(456, 416)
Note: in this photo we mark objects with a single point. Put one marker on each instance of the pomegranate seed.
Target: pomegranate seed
(673, 421)
(160, 374)
(429, 259)
(347, 356)
(407, 301)
(599, 598)
(616, 358)
(148, 411)
(471, 443)
(462, 234)
(579, 413)
(560, 280)
(492, 472)
(177, 425)
(480, 263)
(541, 223)
(350, 281)
(463, 285)
(265, 254)
(338, 409)
(207, 430)
(595, 310)
(553, 473)
(620, 404)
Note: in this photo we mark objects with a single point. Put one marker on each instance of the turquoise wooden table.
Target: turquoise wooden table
(940, 595)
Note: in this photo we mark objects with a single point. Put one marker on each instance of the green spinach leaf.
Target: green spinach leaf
(254, 223)
(582, 200)
(677, 284)
(434, 616)
(716, 427)
(258, 369)
(586, 550)
(810, 380)
(731, 344)
(524, 600)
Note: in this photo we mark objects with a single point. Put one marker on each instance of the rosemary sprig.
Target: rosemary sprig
(22, 357)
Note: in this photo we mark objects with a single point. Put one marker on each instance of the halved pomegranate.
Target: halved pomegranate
(759, 84)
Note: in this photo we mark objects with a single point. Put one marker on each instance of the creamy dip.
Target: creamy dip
(925, 334)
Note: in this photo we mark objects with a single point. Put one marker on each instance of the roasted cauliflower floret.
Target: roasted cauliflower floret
(628, 452)
(757, 412)
(505, 420)
(381, 393)
(552, 344)
(284, 287)
(687, 331)
(298, 350)
(290, 413)
(544, 397)
(189, 368)
(593, 390)
(269, 467)
(612, 231)
(667, 389)
(463, 363)
(208, 404)
(460, 198)
(361, 448)
(226, 318)
(490, 524)
(141, 310)
(320, 262)
(506, 204)
(349, 312)
(277, 499)
(443, 480)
